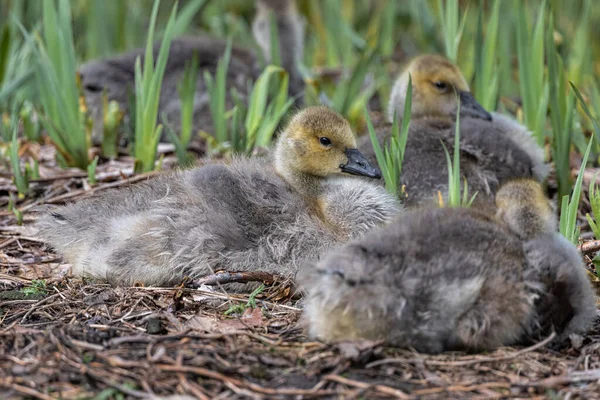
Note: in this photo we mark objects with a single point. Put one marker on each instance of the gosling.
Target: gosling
(454, 279)
(246, 216)
(115, 76)
(493, 147)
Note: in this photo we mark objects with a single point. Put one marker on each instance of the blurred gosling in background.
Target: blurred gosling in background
(116, 75)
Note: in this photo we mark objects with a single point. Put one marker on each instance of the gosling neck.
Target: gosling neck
(306, 184)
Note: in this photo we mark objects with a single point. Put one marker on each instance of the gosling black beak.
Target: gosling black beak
(471, 108)
(358, 165)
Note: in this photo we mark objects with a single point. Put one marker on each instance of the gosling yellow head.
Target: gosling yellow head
(524, 207)
(317, 143)
(436, 84)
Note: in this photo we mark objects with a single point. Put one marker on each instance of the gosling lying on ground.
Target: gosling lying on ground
(494, 148)
(447, 279)
(246, 216)
(116, 75)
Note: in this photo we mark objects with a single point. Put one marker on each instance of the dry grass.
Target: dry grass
(83, 339)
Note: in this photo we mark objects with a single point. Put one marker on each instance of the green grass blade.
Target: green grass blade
(568, 218)
(186, 16)
(274, 41)
(19, 177)
(148, 88)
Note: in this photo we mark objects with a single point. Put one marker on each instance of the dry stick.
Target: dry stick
(362, 385)
(462, 388)
(185, 384)
(223, 277)
(589, 247)
(8, 242)
(237, 382)
(36, 305)
(579, 376)
(216, 295)
(465, 362)
(24, 390)
(121, 388)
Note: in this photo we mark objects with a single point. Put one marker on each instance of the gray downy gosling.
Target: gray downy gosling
(454, 279)
(249, 215)
(115, 76)
(493, 147)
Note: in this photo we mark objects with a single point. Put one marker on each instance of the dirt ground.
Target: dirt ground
(80, 339)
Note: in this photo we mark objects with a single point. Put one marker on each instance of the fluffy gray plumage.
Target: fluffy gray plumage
(492, 152)
(445, 279)
(116, 75)
(238, 217)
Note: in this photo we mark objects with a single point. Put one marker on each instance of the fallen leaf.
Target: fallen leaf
(251, 318)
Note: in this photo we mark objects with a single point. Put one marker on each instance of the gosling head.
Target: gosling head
(525, 209)
(436, 82)
(318, 143)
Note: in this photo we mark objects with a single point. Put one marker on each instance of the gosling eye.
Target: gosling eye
(93, 88)
(325, 141)
(441, 86)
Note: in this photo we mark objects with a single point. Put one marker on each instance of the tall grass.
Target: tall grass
(561, 112)
(262, 118)
(19, 176)
(380, 31)
(15, 63)
(274, 46)
(530, 54)
(455, 199)
(113, 115)
(147, 89)
(580, 58)
(55, 73)
(391, 157)
(98, 41)
(570, 205)
(486, 54)
(335, 33)
(452, 26)
(348, 90)
(187, 91)
(594, 197)
(246, 127)
(217, 89)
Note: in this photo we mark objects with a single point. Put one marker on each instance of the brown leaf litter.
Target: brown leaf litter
(79, 339)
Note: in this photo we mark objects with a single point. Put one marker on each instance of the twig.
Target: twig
(220, 296)
(24, 390)
(579, 376)
(589, 247)
(8, 242)
(191, 388)
(223, 277)
(362, 385)
(121, 388)
(463, 363)
(36, 305)
(462, 388)
(237, 382)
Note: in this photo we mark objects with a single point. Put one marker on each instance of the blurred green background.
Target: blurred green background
(519, 57)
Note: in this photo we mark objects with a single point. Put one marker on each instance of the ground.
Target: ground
(70, 338)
